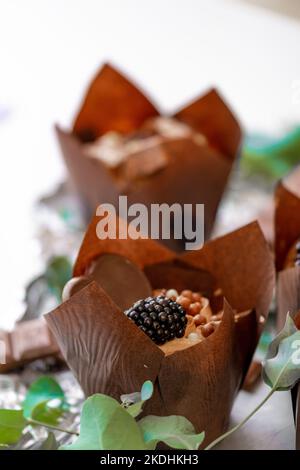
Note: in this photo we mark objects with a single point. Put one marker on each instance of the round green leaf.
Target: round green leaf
(44, 413)
(41, 391)
(106, 425)
(12, 423)
(135, 409)
(175, 431)
(147, 390)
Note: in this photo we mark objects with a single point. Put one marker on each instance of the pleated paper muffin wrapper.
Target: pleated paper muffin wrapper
(181, 171)
(109, 354)
(287, 220)
(287, 232)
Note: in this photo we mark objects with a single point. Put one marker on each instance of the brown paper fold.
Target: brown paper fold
(244, 254)
(103, 348)
(194, 173)
(249, 285)
(142, 251)
(210, 116)
(109, 354)
(287, 232)
(287, 220)
(288, 294)
(112, 103)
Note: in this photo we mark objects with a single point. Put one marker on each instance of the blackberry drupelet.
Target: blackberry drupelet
(162, 319)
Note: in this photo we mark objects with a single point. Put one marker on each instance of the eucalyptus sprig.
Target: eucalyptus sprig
(281, 369)
(105, 424)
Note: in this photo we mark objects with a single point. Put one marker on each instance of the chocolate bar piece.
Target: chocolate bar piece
(28, 341)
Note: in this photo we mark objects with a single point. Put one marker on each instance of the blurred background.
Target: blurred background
(175, 49)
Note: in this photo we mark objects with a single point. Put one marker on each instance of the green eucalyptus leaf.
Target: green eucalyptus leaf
(49, 443)
(41, 391)
(45, 413)
(281, 368)
(106, 425)
(288, 329)
(175, 431)
(147, 390)
(135, 409)
(12, 423)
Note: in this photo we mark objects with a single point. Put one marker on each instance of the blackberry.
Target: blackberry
(160, 318)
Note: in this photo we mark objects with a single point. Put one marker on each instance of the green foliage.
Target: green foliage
(12, 423)
(281, 369)
(271, 157)
(45, 413)
(175, 431)
(106, 425)
(57, 274)
(44, 401)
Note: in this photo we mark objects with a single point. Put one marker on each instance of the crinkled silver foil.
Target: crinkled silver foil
(12, 393)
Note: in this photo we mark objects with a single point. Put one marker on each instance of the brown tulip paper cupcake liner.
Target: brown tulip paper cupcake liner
(108, 353)
(187, 168)
(287, 233)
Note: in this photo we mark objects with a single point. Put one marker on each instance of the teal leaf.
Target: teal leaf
(147, 390)
(281, 368)
(12, 423)
(288, 329)
(106, 425)
(271, 156)
(175, 431)
(44, 390)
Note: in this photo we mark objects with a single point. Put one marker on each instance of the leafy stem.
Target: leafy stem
(279, 370)
(51, 426)
(239, 425)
